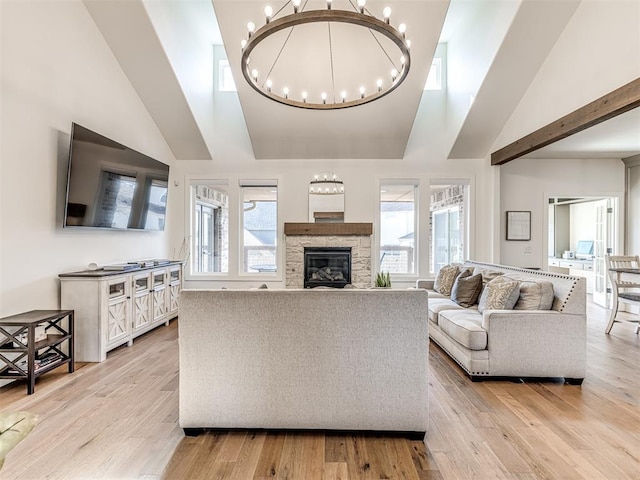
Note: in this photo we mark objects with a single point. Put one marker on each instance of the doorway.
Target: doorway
(581, 231)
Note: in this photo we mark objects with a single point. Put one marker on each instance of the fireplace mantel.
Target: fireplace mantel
(328, 228)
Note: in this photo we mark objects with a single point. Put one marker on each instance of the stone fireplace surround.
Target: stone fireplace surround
(354, 235)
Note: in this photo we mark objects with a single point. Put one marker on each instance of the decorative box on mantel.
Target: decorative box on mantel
(354, 235)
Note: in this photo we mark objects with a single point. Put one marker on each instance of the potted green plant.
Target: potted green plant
(383, 280)
(14, 426)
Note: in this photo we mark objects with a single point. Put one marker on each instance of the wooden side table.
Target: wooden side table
(23, 356)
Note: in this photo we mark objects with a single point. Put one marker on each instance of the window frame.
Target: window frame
(436, 70)
(467, 215)
(277, 275)
(190, 219)
(223, 66)
(406, 276)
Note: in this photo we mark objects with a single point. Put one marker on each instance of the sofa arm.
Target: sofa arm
(424, 283)
(531, 343)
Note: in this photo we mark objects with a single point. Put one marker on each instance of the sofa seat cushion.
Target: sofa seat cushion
(465, 327)
(437, 305)
(434, 294)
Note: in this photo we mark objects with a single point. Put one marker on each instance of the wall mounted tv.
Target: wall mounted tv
(113, 186)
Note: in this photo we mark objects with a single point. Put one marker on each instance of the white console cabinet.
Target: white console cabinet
(113, 308)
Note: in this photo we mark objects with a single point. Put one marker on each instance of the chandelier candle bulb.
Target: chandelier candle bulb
(379, 84)
(361, 4)
(296, 5)
(304, 97)
(324, 98)
(269, 84)
(328, 4)
(254, 74)
(251, 27)
(268, 13)
(243, 43)
(285, 90)
(361, 92)
(402, 28)
(343, 94)
(394, 75)
(386, 13)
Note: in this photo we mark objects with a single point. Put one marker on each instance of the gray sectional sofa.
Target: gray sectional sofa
(514, 343)
(304, 359)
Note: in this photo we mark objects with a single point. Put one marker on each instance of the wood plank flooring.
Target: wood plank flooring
(118, 420)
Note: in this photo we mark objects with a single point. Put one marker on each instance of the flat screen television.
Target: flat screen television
(113, 186)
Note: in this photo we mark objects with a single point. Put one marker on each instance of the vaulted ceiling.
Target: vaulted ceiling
(494, 50)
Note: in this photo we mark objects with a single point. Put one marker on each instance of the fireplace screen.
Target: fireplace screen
(327, 267)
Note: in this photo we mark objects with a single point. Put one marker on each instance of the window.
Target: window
(117, 195)
(210, 229)
(434, 79)
(259, 228)
(225, 77)
(397, 228)
(156, 204)
(448, 208)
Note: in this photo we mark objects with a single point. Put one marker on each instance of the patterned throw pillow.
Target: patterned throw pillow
(444, 281)
(499, 295)
(466, 289)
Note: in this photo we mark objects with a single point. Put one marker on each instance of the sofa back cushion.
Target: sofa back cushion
(533, 295)
(466, 288)
(487, 274)
(499, 294)
(444, 281)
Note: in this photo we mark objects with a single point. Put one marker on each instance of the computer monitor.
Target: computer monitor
(584, 249)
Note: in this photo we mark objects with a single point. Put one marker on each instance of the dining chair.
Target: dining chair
(624, 291)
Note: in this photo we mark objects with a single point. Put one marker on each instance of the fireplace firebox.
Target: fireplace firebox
(327, 267)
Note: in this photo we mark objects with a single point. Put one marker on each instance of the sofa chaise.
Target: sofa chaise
(515, 342)
(304, 359)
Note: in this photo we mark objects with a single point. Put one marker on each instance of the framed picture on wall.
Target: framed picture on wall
(519, 225)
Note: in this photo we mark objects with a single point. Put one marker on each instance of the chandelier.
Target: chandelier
(326, 183)
(383, 36)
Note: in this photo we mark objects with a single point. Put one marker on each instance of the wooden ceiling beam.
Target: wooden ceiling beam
(608, 106)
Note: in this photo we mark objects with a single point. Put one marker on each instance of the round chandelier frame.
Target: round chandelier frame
(326, 183)
(360, 19)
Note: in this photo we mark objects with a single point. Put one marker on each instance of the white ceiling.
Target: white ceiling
(618, 137)
(379, 129)
(165, 48)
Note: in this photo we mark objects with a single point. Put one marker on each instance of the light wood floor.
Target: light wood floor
(118, 420)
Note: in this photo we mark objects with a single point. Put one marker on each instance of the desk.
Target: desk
(574, 266)
(624, 277)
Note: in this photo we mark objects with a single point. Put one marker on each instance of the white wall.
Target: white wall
(57, 69)
(361, 180)
(582, 223)
(528, 184)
